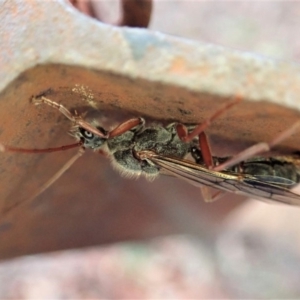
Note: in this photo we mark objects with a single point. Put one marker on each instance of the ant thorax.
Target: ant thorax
(123, 148)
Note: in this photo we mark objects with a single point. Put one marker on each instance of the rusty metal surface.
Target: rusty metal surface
(96, 67)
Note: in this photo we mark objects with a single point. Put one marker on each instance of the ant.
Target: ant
(136, 149)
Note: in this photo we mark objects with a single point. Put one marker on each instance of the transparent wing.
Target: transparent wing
(276, 180)
(231, 182)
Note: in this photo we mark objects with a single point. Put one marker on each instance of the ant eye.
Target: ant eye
(87, 134)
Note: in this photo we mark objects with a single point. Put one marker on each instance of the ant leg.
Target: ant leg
(258, 148)
(199, 131)
(187, 137)
(205, 150)
(58, 174)
(205, 153)
(60, 107)
(126, 126)
(77, 120)
(46, 185)
(208, 194)
(5, 148)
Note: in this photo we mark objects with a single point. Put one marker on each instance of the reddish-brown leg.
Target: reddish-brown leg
(187, 137)
(4, 148)
(258, 148)
(126, 126)
(199, 131)
(77, 120)
(210, 195)
(203, 144)
(58, 174)
(205, 150)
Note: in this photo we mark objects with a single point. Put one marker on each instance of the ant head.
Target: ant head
(89, 139)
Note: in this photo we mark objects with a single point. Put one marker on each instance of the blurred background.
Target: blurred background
(256, 252)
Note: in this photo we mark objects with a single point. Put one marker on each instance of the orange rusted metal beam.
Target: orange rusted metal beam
(117, 72)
